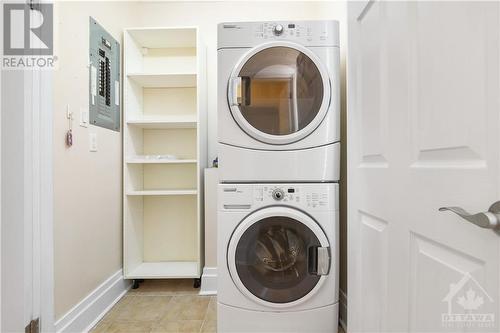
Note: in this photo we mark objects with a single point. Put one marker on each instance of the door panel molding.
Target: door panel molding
(449, 128)
(374, 249)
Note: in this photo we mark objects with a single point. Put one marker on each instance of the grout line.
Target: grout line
(135, 294)
(205, 317)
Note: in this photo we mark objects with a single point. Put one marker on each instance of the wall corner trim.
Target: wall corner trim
(343, 310)
(209, 281)
(84, 315)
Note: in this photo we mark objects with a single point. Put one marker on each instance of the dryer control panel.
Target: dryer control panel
(290, 31)
(254, 196)
(249, 34)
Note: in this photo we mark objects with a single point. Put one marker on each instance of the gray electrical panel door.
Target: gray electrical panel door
(104, 80)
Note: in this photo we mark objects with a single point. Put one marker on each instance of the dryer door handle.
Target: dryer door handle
(235, 91)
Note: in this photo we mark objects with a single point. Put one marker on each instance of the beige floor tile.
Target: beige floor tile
(147, 308)
(210, 322)
(101, 327)
(126, 327)
(166, 287)
(140, 308)
(209, 326)
(117, 309)
(212, 310)
(187, 308)
(179, 326)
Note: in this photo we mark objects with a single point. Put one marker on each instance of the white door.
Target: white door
(16, 229)
(26, 199)
(423, 133)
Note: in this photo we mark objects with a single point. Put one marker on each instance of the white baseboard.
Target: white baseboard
(343, 310)
(209, 281)
(83, 316)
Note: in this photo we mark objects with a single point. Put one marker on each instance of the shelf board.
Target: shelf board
(165, 122)
(164, 80)
(142, 160)
(164, 37)
(170, 269)
(162, 192)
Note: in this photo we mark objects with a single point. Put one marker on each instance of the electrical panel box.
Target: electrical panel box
(104, 81)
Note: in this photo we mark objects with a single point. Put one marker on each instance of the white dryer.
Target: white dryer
(279, 101)
(278, 258)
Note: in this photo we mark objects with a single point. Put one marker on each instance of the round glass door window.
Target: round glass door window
(279, 91)
(272, 259)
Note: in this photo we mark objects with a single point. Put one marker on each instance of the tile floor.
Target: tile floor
(162, 306)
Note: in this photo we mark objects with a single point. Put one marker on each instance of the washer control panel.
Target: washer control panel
(254, 196)
(310, 196)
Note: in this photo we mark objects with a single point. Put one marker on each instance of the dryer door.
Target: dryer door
(279, 93)
(278, 256)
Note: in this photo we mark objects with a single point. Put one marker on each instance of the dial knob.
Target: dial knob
(278, 194)
(278, 29)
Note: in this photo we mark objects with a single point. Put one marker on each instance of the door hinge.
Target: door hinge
(34, 4)
(33, 326)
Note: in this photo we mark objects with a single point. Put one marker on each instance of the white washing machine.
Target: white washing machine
(278, 258)
(279, 101)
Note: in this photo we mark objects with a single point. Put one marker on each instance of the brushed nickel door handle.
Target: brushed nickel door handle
(235, 91)
(323, 260)
(488, 220)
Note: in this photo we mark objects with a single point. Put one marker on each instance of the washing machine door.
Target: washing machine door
(279, 93)
(278, 257)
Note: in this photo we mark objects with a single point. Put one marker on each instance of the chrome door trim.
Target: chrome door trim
(280, 139)
(257, 216)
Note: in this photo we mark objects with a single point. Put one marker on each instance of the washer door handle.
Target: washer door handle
(319, 260)
(323, 260)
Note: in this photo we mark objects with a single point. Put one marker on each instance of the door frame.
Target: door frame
(38, 142)
(45, 208)
(355, 11)
(1, 13)
(43, 138)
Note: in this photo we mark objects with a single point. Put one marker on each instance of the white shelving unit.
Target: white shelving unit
(164, 152)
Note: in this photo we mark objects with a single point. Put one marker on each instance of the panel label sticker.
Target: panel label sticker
(93, 82)
(117, 93)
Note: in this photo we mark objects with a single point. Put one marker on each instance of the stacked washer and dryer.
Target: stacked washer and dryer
(279, 160)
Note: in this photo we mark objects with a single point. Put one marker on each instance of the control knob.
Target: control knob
(278, 194)
(278, 29)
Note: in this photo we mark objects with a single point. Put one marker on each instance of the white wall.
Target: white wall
(87, 186)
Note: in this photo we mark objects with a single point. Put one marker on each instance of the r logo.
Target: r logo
(26, 31)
